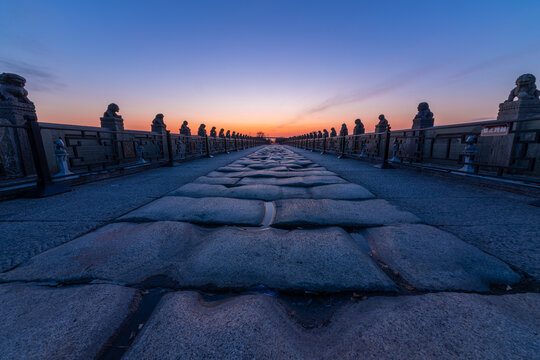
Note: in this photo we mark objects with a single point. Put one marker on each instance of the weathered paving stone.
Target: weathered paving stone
(271, 174)
(200, 190)
(41, 322)
(267, 192)
(258, 192)
(431, 259)
(341, 192)
(214, 210)
(327, 260)
(224, 180)
(294, 181)
(275, 192)
(324, 212)
(231, 168)
(245, 327)
(431, 326)
(272, 167)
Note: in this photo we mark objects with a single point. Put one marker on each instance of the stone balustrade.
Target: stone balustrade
(33, 152)
(508, 146)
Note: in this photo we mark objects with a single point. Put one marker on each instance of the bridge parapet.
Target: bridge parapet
(29, 150)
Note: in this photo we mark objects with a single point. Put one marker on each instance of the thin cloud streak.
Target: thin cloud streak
(38, 78)
(408, 78)
(377, 90)
(506, 58)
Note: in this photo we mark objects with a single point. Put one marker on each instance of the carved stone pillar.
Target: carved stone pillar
(424, 118)
(16, 153)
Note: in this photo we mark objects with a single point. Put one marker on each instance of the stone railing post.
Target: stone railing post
(114, 122)
(170, 158)
(386, 149)
(342, 148)
(208, 150)
(45, 186)
(158, 126)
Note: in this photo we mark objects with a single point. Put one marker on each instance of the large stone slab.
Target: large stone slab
(326, 260)
(212, 210)
(431, 326)
(258, 192)
(200, 190)
(41, 322)
(231, 168)
(223, 180)
(308, 180)
(275, 192)
(267, 192)
(324, 212)
(431, 259)
(245, 327)
(271, 174)
(340, 192)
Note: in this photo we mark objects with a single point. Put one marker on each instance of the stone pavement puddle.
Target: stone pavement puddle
(276, 223)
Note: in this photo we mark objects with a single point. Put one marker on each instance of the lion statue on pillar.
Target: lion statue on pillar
(525, 89)
(12, 88)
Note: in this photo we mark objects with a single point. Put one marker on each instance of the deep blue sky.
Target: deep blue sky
(281, 66)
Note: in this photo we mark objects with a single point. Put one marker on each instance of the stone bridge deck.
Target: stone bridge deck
(272, 253)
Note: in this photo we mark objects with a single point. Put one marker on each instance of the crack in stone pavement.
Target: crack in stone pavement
(274, 256)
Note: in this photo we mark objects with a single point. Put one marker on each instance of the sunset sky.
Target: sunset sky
(282, 67)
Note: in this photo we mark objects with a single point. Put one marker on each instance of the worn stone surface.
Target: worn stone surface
(318, 260)
(340, 192)
(294, 181)
(431, 259)
(215, 210)
(40, 322)
(498, 222)
(30, 226)
(295, 266)
(200, 190)
(302, 212)
(224, 180)
(255, 191)
(271, 174)
(267, 192)
(275, 192)
(442, 326)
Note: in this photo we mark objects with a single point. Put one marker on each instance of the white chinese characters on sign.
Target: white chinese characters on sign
(495, 130)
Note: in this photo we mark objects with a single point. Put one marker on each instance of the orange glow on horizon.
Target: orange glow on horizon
(275, 123)
(270, 127)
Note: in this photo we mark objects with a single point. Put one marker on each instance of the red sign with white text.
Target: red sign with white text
(495, 130)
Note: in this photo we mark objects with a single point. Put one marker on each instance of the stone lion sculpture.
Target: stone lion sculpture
(12, 88)
(184, 129)
(424, 118)
(158, 120)
(359, 127)
(423, 111)
(202, 130)
(525, 88)
(382, 125)
(111, 112)
(344, 131)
